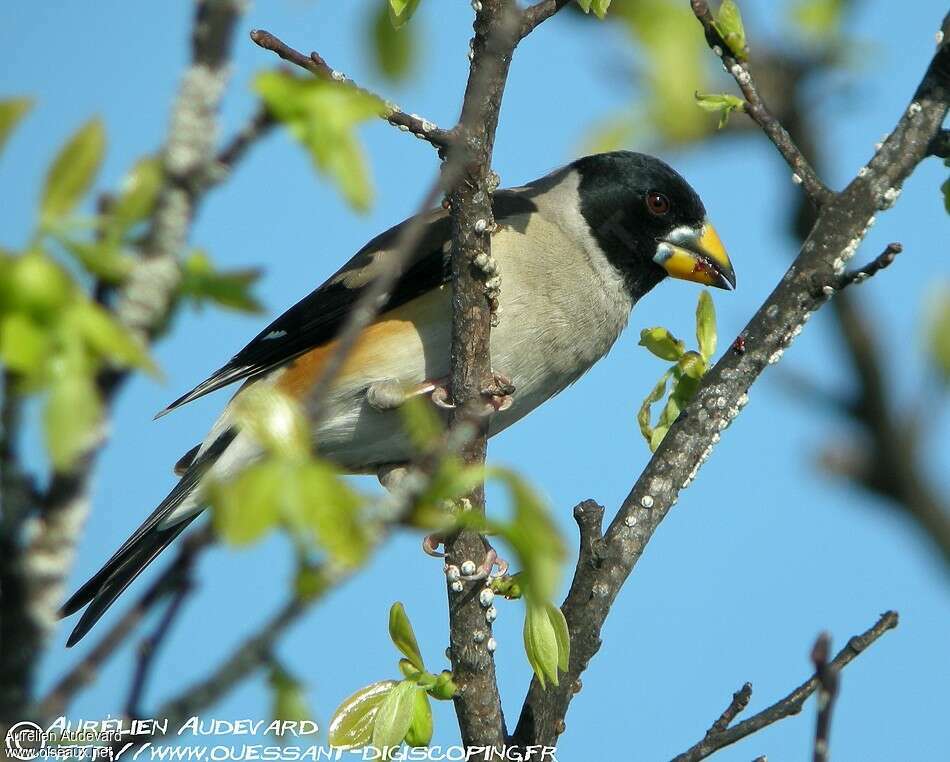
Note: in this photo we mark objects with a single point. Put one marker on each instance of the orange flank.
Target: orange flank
(373, 347)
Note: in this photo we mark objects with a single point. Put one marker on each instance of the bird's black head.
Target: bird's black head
(649, 221)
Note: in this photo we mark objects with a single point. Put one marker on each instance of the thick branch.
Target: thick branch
(477, 703)
(755, 107)
(144, 304)
(841, 225)
(793, 702)
(314, 63)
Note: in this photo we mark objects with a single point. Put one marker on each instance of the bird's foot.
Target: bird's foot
(390, 394)
(431, 543)
(483, 570)
(498, 393)
(468, 571)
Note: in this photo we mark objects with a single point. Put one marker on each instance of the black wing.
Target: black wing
(317, 318)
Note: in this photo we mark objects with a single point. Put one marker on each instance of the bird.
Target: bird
(575, 250)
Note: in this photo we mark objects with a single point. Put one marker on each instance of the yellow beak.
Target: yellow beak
(696, 255)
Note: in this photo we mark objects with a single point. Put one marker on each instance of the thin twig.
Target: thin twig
(723, 391)
(740, 700)
(827, 677)
(87, 669)
(793, 702)
(234, 150)
(755, 107)
(940, 145)
(149, 647)
(882, 261)
(314, 63)
(538, 13)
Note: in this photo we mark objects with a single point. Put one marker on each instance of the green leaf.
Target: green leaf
(662, 343)
(73, 171)
(322, 115)
(101, 259)
(11, 112)
(275, 420)
(599, 7)
(310, 581)
(247, 507)
(351, 726)
(422, 423)
(24, 345)
(728, 23)
(535, 539)
(420, 726)
(706, 325)
(326, 507)
(226, 288)
(818, 19)
(394, 716)
(643, 416)
(288, 697)
(541, 643)
(410, 671)
(400, 11)
(508, 585)
(73, 410)
(444, 688)
(657, 436)
(36, 284)
(692, 365)
(720, 103)
(938, 333)
(108, 338)
(562, 635)
(138, 194)
(400, 631)
(393, 49)
(946, 195)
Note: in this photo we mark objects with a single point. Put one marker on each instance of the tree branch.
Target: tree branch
(842, 223)
(940, 145)
(793, 702)
(740, 700)
(422, 128)
(477, 702)
(87, 669)
(755, 107)
(538, 13)
(144, 303)
(883, 260)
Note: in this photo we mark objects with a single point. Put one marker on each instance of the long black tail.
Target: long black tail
(150, 539)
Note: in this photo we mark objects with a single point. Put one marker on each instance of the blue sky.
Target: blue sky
(760, 554)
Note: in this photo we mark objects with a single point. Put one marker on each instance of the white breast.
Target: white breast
(562, 307)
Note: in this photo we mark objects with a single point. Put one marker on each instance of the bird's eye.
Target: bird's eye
(657, 203)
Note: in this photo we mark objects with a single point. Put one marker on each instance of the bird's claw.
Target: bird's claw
(498, 393)
(440, 398)
(430, 545)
